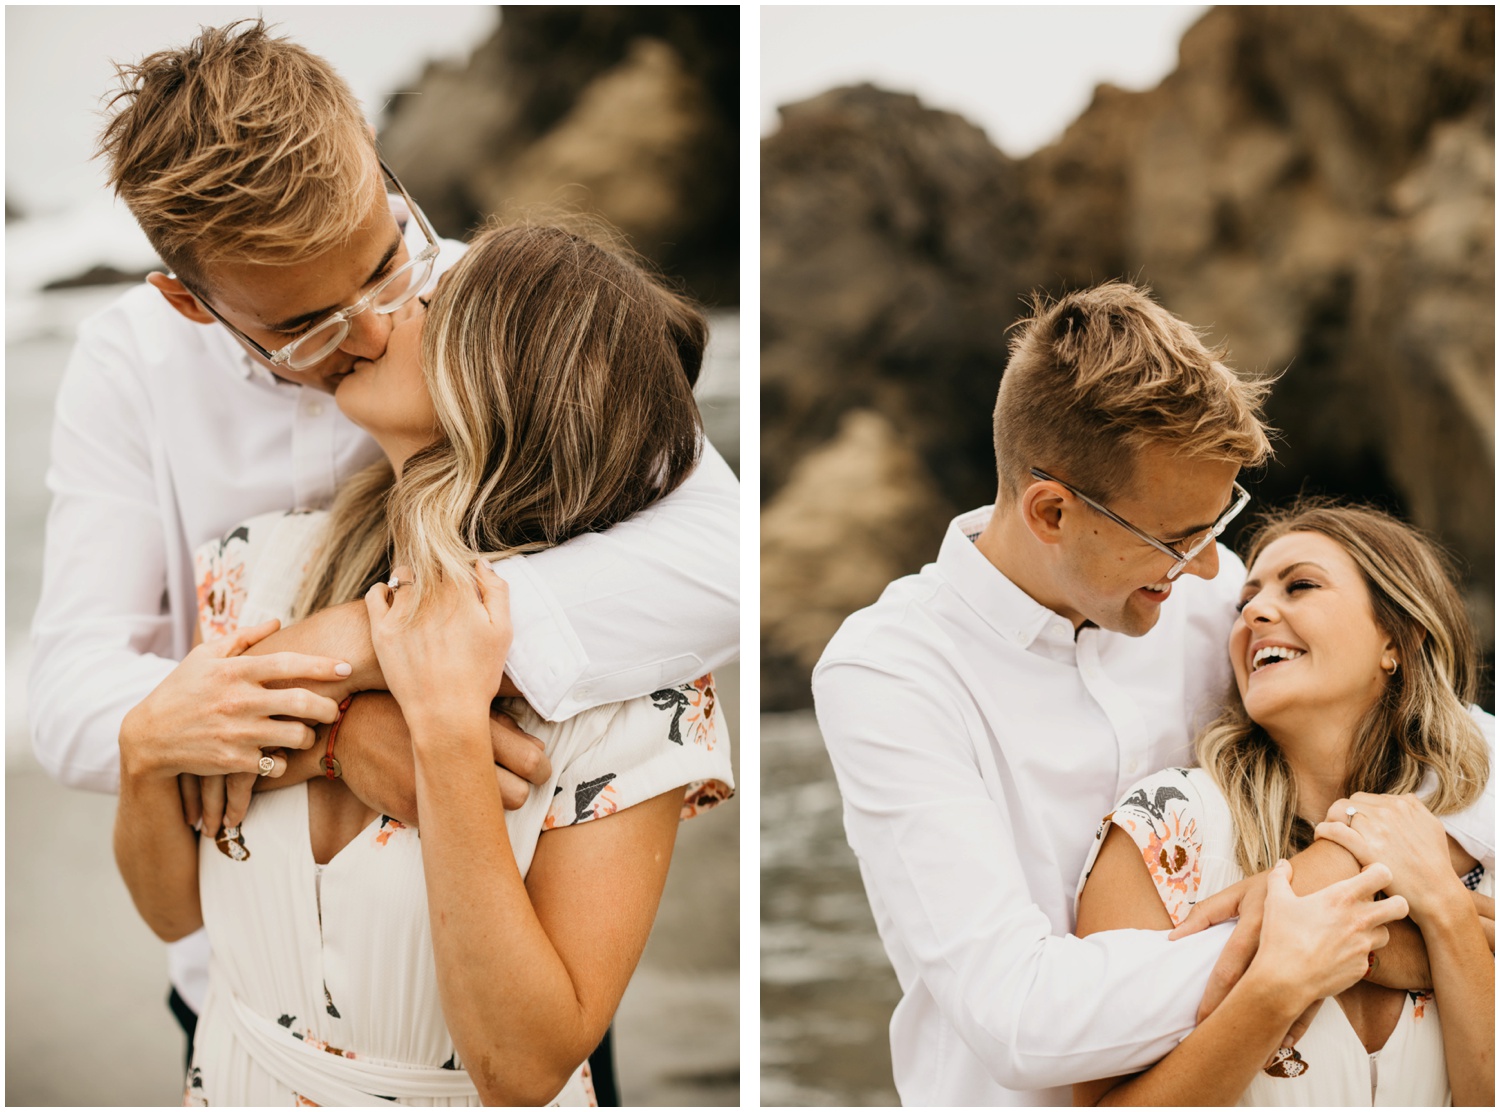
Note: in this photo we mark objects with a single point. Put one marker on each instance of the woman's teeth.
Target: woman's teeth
(1273, 653)
(1159, 588)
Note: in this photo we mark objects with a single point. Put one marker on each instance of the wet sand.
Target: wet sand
(827, 990)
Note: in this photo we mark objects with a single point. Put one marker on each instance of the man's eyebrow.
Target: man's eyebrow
(291, 324)
(1286, 571)
(1194, 530)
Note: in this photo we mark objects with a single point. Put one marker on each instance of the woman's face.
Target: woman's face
(387, 397)
(1306, 639)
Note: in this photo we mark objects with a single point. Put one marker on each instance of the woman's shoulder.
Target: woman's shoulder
(1178, 820)
(267, 552)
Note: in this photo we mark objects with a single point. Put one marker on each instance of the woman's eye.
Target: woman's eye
(1239, 607)
(1300, 585)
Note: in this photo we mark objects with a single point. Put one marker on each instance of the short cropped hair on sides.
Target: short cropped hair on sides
(1097, 375)
(238, 147)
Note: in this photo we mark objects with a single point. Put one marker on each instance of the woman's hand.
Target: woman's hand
(447, 664)
(1318, 945)
(1399, 832)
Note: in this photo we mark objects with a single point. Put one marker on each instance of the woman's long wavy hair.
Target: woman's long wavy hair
(1421, 721)
(561, 373)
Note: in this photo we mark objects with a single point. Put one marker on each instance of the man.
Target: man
(984, 714)
(200, 399)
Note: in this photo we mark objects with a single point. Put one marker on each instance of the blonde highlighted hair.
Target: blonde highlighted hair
(1421, 722)
(239, 146)
(561, 373)
(1095, 376)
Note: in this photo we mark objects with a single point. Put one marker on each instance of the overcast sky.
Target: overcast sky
(1021, 73)
(57, 65)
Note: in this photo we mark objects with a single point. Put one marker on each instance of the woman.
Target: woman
(1354, 665)
(545, 392)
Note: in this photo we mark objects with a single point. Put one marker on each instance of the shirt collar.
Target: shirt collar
(1007, 609)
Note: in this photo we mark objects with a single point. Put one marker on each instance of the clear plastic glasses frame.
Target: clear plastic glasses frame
(1181, 559)
(393, 291)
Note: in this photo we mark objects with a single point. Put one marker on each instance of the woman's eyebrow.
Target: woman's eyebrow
(1286, 571)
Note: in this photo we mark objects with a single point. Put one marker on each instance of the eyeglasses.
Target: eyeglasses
(1182, 559)
(390, 294)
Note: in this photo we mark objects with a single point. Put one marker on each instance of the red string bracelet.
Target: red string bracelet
(331, 767)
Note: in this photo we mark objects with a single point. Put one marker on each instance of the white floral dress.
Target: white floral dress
(1180, 820)
(322, 986)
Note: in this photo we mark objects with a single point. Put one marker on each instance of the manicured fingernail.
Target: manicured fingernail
(343, 669)
(198, 825)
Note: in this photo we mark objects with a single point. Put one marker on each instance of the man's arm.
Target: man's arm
(945, 860)
(650, 603)
(101, 637)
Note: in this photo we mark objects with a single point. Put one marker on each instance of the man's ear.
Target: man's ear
(1042, 505)
(180, 298)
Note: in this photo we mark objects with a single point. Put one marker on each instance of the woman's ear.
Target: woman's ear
(180, 298)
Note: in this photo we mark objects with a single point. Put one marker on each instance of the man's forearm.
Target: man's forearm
(373, 749)
(1403, 962)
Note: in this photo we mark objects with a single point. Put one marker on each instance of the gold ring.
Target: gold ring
(267, 765)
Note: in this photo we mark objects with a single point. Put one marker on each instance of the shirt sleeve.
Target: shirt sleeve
(102, 638)
(1474, 829)
(943, 859)
(648, 604)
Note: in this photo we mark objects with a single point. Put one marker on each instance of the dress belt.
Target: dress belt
(332, 1079)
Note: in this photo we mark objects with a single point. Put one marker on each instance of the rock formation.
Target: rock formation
(627, 112)
(1313, 185)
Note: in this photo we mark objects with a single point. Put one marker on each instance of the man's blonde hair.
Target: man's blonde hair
(239, 147)
(1096, 375)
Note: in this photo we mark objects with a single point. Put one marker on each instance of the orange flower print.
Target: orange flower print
(1419, 1004)
(1171, 851)
(221, 587)
(692, 707)
(388, 826)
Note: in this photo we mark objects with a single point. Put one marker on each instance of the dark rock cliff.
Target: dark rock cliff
(1315, 186)
(628, 112)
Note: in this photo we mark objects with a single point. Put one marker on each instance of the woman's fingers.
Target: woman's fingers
(192, 799)
(237, 790)
(295, 666)
(213, 804)
(242, 639)
(1344, 835)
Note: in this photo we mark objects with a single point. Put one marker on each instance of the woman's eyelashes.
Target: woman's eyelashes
(1291, 588)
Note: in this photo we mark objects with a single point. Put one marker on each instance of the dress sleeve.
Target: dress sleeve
(254, 571)
(672, 738)
(1164, 817)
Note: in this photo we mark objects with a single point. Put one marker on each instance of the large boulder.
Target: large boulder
(626, 112)
(1313, 186)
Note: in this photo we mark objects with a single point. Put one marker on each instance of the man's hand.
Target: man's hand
(216, 711)
(1245, 899)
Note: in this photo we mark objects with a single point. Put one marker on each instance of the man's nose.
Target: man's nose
(1205, 565)
(369, 332)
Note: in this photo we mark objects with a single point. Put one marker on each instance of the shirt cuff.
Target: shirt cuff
(546, 658)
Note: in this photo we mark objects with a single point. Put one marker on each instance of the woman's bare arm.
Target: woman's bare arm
(530, 973)
(1310, 945)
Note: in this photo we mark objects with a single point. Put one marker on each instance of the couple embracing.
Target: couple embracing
(404, 690)
(1288, 743)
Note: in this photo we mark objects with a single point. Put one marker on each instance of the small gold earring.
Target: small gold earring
(1390, 669)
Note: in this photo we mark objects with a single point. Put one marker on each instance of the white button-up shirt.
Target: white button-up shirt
(977, 743)
(167, 435)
